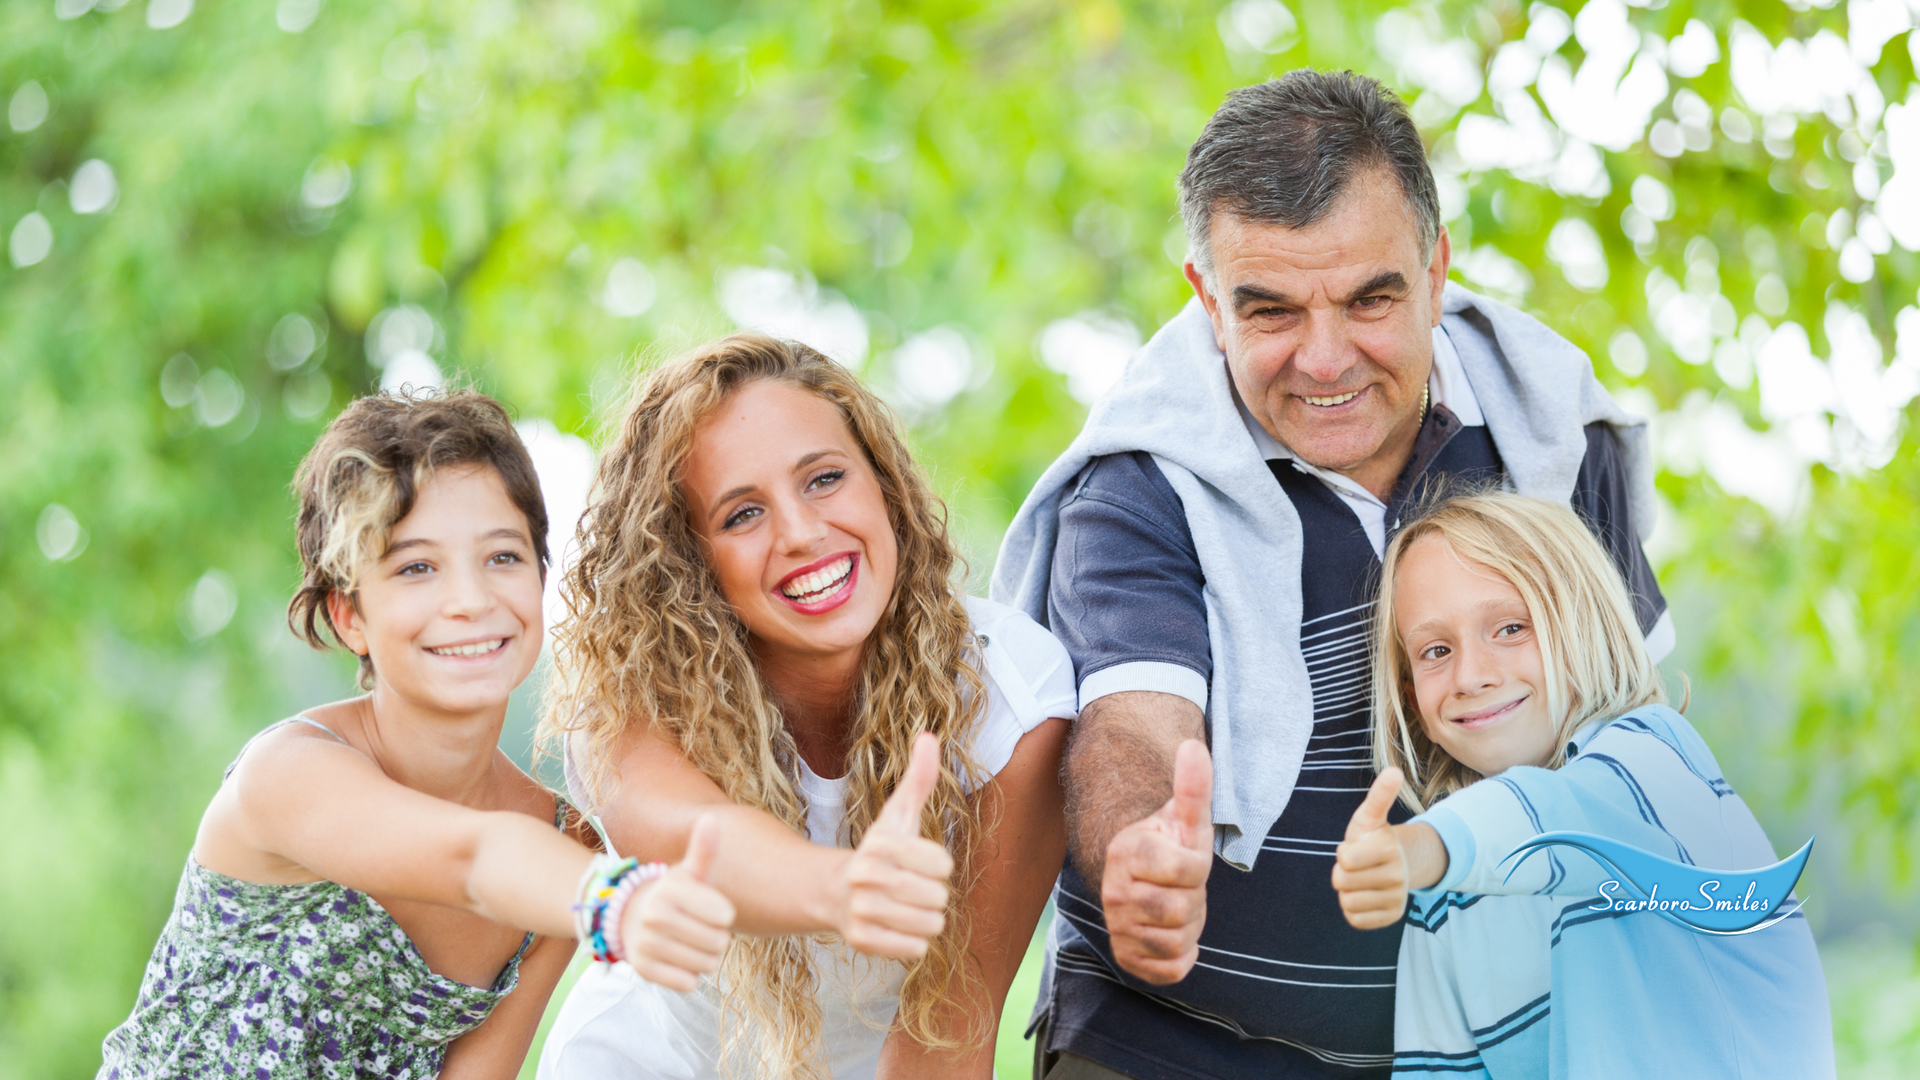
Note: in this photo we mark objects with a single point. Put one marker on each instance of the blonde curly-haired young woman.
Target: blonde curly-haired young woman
(765, 626)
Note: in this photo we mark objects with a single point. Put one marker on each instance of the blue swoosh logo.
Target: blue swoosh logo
(1709, 901)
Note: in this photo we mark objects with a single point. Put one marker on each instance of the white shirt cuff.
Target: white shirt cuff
(1660, 640)
(1176, 679)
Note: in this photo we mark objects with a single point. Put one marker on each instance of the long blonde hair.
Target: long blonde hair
(650, 640)
(1595, 659)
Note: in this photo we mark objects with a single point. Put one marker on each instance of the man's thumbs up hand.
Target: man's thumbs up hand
(895, 883)
(1154, 889)
(1370, 866)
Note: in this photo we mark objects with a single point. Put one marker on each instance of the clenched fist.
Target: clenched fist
(677, 928)
(895, 885)
(1378, 864)
(1154, 889)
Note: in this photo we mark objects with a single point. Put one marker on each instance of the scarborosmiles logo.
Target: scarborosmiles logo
(1721, 902)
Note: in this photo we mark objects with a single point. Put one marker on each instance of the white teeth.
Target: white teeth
(808, 588)
(1332, 400)
(478, 648)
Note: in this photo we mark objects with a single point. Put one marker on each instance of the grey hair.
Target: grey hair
(1283, 151)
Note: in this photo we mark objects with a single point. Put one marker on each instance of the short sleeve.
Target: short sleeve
(1029, 680)
(1127, 593)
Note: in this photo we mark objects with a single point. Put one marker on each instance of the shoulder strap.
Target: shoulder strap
(302, 719)
(296, 719)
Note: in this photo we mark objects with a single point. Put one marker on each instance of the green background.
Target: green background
(975, 203)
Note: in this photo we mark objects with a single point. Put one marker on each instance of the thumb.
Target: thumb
(701, 847)
(1373, 810)
(902, 813)
(1191, 807)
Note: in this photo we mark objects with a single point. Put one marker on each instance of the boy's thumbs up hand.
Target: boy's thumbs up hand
(1370, 866)
(677, 928)
(1372, 815)
(895, 884)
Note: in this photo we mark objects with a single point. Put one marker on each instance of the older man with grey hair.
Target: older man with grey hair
(1208, 548)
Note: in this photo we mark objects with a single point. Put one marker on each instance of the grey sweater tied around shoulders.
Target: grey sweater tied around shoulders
(1174, 401)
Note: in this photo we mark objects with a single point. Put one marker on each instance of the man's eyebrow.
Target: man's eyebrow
(1254, 294)
(1387, 281)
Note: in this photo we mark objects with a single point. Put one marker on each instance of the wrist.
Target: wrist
(832, 909)
(605, 891)
(1425, 852)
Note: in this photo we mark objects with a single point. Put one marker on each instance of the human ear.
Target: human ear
(1437, 270)
(1204, 291)
(344, 614)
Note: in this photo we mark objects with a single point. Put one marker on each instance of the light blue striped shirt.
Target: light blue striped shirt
(1523, 978)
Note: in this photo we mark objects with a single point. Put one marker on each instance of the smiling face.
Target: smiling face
(1328, 329)
(450, 615)
(1478, 678)
(795, 525)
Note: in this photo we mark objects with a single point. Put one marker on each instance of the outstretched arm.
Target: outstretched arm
(314, 806)
(1140, 822)
(886, 898)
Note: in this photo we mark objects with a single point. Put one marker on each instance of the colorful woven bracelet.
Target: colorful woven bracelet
(604, 891)
(597, 886)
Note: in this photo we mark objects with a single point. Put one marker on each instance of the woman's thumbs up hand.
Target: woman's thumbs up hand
(1370, 866)
(677, 928)
(895, 884)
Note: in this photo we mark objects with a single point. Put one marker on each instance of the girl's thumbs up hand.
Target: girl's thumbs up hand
(1370, 866)
(677, 928)
(895, 884)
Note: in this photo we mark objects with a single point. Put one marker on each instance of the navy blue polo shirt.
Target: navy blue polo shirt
(1283, 987)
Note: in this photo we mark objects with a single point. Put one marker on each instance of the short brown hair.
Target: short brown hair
(1282, 152)
(361, 479)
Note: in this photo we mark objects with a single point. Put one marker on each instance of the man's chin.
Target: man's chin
(1335, 452)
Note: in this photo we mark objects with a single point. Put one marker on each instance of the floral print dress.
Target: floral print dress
(274, 982)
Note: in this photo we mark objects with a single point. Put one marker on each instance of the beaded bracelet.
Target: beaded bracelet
(604, 891)
(617, 906)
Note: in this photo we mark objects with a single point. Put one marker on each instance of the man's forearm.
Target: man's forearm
(1119, 768)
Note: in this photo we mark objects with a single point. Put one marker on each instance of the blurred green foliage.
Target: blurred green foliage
(562, 185)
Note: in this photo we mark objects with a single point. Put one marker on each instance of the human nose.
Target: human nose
(1324, 354)
(1475, 670)
(466, 595)
(799, 528)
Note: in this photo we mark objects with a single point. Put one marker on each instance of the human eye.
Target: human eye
(1434, 652)
(741, 516)
(504, 558)
(1511, 629)
(826, 479)
(415, 569)
(1373, 305)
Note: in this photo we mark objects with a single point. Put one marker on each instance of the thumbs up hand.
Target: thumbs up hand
(677, 928)
(1370, 867)
(1154, 886)
(895, 884)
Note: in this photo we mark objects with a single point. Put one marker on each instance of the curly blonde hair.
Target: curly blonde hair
(1595, 658)
(651, 640)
